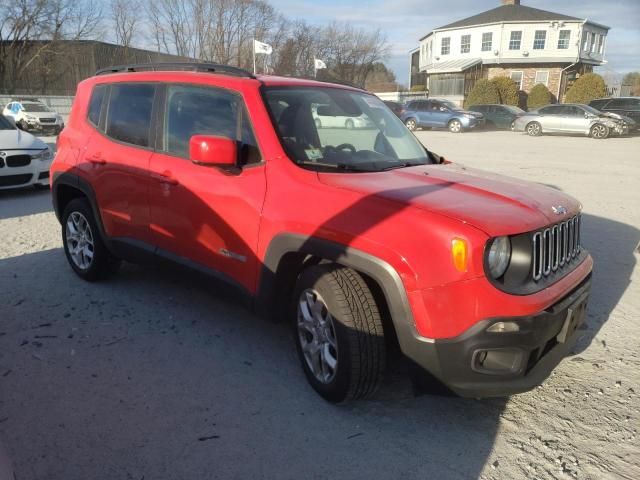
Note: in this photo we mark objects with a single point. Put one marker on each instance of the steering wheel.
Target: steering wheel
(346, 146)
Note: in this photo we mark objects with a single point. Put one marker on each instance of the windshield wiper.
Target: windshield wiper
(343, 167)
(404, 165)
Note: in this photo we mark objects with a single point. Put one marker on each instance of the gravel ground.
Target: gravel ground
(152, 376)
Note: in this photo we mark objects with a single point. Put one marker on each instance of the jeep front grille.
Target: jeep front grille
(555, 247)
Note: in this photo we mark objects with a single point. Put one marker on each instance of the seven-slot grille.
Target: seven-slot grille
(555, 247)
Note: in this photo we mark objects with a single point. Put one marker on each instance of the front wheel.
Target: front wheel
(599, 131)
(338, 331)
(534, 129)
(83, 245)
(455, 126)
(411, 124)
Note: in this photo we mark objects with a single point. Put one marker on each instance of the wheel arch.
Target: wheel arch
(288, 254)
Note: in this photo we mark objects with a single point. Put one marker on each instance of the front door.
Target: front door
(574, 120)
(206, 215)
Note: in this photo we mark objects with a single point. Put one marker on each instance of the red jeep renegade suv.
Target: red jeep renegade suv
(315, 201)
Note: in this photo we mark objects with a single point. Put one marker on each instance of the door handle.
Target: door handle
(165, 177)
(97, 159)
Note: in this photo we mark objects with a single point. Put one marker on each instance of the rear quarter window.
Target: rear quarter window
(95, 104)
(129, 113)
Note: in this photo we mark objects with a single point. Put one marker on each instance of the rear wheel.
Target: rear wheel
(338, 331)
(534, 129)
(599, 131)
(83, 245)
(411, 124)
(455, 126)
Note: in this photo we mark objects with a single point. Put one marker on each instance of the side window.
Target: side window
(619, 103)
(552, 110)
(129, 114)
(95, 104)
(192, 110)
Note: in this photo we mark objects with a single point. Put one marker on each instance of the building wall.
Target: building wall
(529, 74)
(430, 46)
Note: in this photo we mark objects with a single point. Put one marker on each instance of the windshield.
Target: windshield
(591, 110)
(338, 129)
(35, 107)
(6, 124)
(450, 105)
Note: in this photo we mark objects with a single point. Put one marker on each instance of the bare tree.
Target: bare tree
(125, 15)
(29, 30)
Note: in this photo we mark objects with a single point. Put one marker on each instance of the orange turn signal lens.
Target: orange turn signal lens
(459, 254)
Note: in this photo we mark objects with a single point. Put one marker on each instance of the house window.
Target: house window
(517, 78)
(515, 40)
(465, 44)
(587, 37)
(445, 46)
(542, 77)
(486, 41)
(539, 39)
(592, 45)
(563, 39)
(600, 44)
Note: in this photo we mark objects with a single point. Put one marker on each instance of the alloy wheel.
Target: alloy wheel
(79, 240)
(317, 336)
(599, 131)
(411, 124)
(455, 126)
(533, 129)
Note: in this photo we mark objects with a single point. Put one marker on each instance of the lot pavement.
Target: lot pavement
(153, 376)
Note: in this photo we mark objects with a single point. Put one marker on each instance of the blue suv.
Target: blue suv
(440, 114)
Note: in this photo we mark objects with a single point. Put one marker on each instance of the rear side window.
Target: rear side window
(129, 114)
(95, 104)
(599, 104)
(623, 103)
(193, 110)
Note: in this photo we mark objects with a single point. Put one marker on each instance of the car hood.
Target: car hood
(19, 140)
(495, 204)
(617, 116)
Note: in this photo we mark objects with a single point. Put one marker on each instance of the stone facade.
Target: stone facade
(554, 81)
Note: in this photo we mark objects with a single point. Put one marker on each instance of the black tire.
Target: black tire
(599, 131)
(103, 264)
(357, 328)
(533, 129)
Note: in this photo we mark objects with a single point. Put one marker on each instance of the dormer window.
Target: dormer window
(539, 40)
(487, 41)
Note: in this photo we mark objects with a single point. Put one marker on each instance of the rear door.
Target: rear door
(439, 114)
(625, 106)
(116, 160)
(205, 215)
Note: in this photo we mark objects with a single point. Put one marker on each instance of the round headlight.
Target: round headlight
(499, 256)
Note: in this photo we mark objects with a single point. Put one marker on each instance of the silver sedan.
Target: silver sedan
(570, 118)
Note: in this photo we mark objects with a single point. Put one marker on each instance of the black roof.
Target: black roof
(509, 13)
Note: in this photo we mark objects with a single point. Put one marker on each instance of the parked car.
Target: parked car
(499, 116)
(396, 107)
(440, 114)
(570, 118)
(628, 107)
(24, 159)
(32, 115)
(325, 117)
(358, 238)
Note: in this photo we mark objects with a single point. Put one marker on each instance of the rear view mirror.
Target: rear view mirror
(212, 151)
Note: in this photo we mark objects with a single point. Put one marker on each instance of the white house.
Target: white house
(527, 44)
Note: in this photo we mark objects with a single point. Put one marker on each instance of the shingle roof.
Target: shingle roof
(509, 13)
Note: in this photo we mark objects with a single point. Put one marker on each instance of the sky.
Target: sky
(404, 22)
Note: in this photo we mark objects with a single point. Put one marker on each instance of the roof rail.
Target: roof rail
(178, 66)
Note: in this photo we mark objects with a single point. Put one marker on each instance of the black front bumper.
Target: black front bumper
(467, 364)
